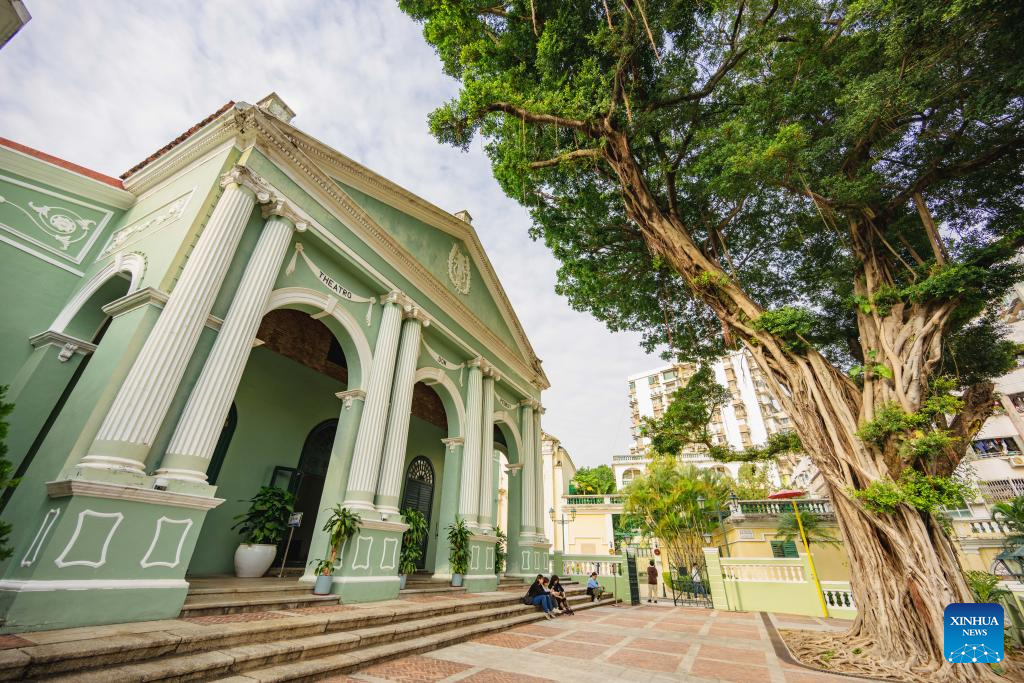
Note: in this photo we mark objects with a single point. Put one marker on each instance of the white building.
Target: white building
(558, 470)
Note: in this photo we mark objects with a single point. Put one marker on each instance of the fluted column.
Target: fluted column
(362, 481)
(195, 438)
(469, 498)
(131, 424)
(486, 510)
(538, 480)
(529, 509)
(389, 486)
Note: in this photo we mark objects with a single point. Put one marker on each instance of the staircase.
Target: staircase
(290, 645)
(422, 583)
(213, 596)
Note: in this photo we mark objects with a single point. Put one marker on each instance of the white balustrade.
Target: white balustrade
(776, 572)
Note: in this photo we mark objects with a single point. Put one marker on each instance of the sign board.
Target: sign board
(295, 520)
(657, 552)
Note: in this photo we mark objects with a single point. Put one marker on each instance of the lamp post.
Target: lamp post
(563, 522)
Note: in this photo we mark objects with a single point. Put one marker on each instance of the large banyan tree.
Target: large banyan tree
(834, 186)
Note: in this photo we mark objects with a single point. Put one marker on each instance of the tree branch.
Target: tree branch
(568, 156)
(545, 119)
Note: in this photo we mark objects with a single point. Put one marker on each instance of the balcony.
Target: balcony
(630, 458)
(742, 509)
(606, 500)
(1003, 489)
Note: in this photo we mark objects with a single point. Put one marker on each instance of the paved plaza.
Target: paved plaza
(644, 643)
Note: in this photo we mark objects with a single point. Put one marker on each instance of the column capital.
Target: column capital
(351, 395)
(530, 403)
(453, 443)
(284, 209)
(490, 371)
(243, 176)
(413, 312)
(477, 362)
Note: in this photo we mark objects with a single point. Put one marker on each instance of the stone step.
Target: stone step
(423, 589)
(252, 658)
(208, 605)
(229, 585)
(347, 662)
(77, 650)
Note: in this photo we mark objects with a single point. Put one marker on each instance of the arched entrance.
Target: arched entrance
(308, 484)
(419, 496)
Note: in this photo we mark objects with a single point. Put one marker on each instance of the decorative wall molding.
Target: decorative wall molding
(380, 525)
(117, 518)
(44, 172)
(13, 586)
(149, 296)
(94, 489)
(58, 223)
(363, 563)
(134, 264)
(32, 552)
(391, 562)
(153, 221)
(145, 563)
(347, 397)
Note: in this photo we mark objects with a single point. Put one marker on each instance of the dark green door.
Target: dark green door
(419, 496)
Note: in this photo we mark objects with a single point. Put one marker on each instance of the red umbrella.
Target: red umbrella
(787, 494)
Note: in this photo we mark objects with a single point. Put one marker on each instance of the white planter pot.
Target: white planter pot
(253, 560)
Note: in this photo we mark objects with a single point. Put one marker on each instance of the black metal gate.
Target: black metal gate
(690, 585)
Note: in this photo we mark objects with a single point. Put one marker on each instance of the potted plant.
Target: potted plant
(340, 526)
(412, 543)
(262, 528)
(500, 552)
(458, 550)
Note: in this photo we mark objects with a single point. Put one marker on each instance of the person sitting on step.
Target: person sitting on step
(538, 596)
(558, 593)
(594, 589)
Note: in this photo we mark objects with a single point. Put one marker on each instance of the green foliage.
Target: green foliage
(779, 443)
(1011, 513)
(889, 420)
(922, 492)
(815, 529)
(675, 503)
(266, 520)
(6, 482)
(594, 480)
(752, 482)
(412, 540)
(500, 550)
(458, 546)
(686, 419)
(341, 525)
(985, 586)
(323, 567)
(790, 324)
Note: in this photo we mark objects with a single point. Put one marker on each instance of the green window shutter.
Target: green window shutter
(783, 549)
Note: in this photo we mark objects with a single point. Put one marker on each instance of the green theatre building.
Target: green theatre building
(248, 307)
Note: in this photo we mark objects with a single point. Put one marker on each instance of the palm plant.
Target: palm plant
(412, 540)
(788, 529)
(458, 542)
(340, 526)
(500, 550)
(1011, 513)
(985, 586)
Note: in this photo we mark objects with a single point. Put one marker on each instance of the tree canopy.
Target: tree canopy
(594, 480)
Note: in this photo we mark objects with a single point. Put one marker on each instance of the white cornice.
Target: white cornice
(94, 489)
(145, 297)
(64, 178)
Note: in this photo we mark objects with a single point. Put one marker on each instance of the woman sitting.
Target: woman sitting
(558, 593)
(539, 596)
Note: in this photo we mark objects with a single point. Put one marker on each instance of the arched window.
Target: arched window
(629, 475)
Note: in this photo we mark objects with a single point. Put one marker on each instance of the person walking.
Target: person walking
(652, 583)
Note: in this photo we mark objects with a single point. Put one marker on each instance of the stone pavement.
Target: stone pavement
(644, 643)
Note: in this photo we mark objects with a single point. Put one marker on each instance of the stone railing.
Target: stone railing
(773, 508)
(578, 500)
(770, 571)
(629, 458)
(583, 565)
(986, 527)
(838, 595)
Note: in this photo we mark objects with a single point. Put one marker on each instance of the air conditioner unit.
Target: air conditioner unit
(1017, 460)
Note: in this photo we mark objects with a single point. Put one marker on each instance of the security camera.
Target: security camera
(160, 484)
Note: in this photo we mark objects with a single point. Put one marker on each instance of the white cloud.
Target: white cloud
(104, 84)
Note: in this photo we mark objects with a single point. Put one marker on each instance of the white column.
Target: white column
(529, 509)
(389, 485)
(362, 481)
(127, 433)
(487, 453)
(469, 497)
(195, 438)
(540, 511)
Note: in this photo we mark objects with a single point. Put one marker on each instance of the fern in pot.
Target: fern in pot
(262, 527)
(341, 525)
(412, 543)
(458, 550)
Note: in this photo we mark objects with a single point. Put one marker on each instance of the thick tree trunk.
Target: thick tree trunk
(903, 567)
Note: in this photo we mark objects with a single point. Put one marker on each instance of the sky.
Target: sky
(104, 84)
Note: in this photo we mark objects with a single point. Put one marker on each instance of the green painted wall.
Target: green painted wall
(279, 401)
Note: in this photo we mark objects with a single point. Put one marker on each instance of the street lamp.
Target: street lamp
(563, 522)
